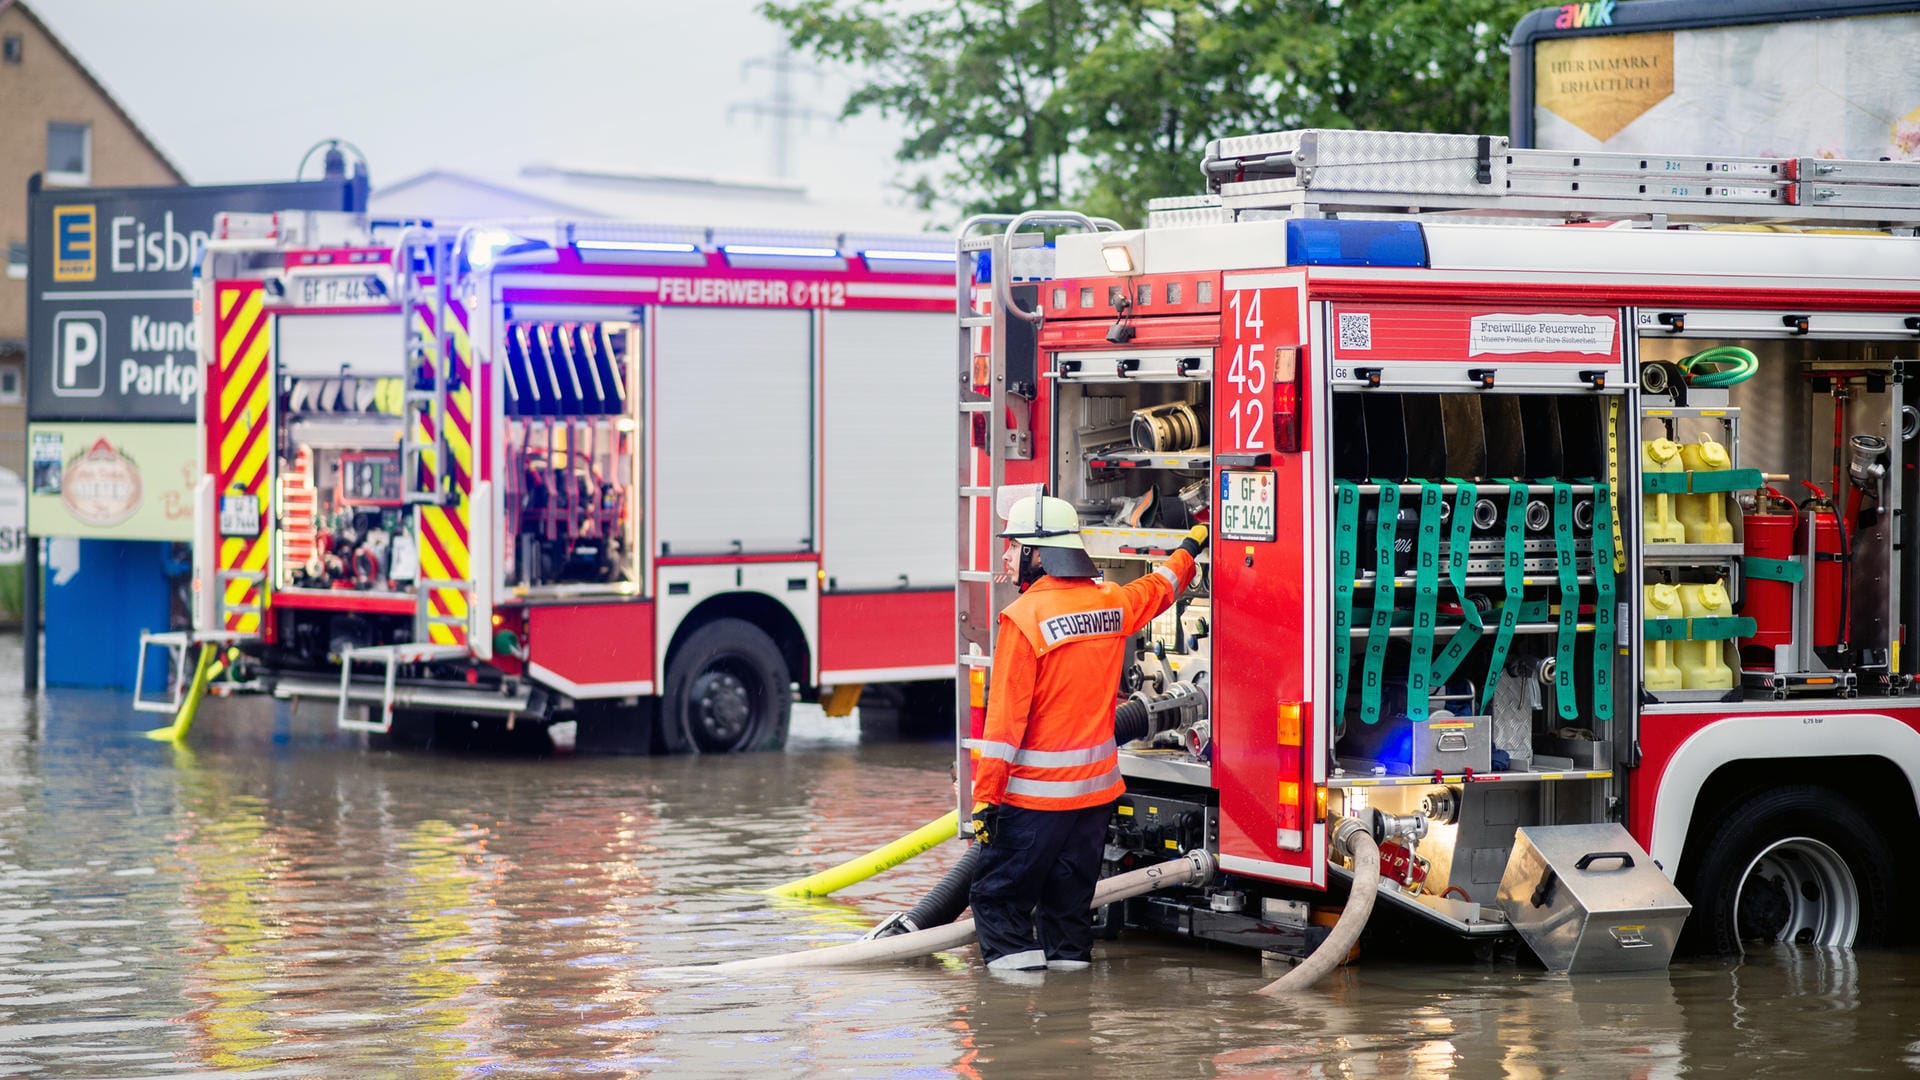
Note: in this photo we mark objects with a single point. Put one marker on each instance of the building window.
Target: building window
(10, 385)
(17, 261)
(69, 153)
(10, 48)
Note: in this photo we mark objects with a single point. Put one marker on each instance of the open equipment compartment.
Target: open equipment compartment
(1819, 585)
(573, 421)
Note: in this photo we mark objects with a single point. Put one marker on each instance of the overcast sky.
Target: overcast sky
(238, 90)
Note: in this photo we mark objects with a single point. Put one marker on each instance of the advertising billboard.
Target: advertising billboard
(119, 481)
(1757, 78)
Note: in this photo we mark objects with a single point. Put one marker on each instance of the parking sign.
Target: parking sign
(80, 343)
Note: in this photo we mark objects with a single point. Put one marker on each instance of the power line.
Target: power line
(780, 107)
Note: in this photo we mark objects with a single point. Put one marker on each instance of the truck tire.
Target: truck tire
(728, 691)
(1799, 865)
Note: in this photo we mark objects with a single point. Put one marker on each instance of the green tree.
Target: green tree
(1104, 104)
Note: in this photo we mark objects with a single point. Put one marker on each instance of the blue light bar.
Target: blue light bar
(1316, 242)
(654, 247)
(774, 251)
(945, 257)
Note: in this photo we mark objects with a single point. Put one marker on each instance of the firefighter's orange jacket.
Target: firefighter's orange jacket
(1048, 742)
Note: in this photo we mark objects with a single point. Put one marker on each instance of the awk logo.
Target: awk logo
(1584, 16)
(1082, 624)
(74, 243)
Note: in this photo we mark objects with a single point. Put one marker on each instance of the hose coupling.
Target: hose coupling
(1395, 826)
(893, 925)
(1204, 866)
(1345, 832)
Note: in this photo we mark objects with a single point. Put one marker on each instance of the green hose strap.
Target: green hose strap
(1346, 568)
(1603, 605)
(1514, 578)
(1383, 535)
(1426, 599)
(1566, 687)
(1458, 544)
(1761, 569)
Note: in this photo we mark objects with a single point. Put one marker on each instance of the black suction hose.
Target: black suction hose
(1130, 722)
(949, 898)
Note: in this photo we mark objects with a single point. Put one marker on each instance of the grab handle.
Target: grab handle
(1626, 859)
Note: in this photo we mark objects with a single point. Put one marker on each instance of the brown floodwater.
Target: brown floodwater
(277, 899)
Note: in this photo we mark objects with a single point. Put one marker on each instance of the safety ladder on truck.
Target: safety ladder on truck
(423, 274)
(1315, 172)
(994, 416)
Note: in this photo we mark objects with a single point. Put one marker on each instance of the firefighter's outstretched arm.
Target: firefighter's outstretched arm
(1156, 592)
(1009, 703)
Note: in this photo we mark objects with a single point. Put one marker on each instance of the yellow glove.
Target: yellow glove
(1196, 540)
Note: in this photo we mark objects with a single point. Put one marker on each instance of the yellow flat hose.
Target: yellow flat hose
(832, 880)
(203, 673)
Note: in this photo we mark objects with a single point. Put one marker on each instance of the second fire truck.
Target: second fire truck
(1550, 492)
(572, 470)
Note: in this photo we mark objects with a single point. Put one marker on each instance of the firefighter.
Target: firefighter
(1047, 768)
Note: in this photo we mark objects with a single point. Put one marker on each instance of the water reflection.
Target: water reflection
(280, 901)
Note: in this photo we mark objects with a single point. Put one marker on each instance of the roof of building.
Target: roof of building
(577, 191)
(105, 94)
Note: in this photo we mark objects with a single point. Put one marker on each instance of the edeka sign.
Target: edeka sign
(110, 327)
(121, 481)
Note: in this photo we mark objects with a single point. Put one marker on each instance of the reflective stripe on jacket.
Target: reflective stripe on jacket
(1048, 742)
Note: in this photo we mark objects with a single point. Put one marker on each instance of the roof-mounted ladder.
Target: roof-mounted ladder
(1318, 172)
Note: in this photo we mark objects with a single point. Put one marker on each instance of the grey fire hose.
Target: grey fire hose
(1193, 868)
(1354, 840)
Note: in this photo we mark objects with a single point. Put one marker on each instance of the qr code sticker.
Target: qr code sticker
(1356, 330)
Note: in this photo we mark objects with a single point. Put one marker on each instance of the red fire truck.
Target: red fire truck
(569, 470)
(1547, 489)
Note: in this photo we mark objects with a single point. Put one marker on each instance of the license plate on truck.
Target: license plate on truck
(1246, 504)
(239, 515)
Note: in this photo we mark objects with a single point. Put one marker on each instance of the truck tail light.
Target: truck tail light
(1290, 810)
(977, 702)
(1286, 400)
(982, 372)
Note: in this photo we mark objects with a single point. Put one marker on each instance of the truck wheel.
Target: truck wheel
(727, 691)
(1798, 865)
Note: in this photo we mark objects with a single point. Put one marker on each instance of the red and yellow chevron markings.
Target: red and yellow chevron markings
(240, 440)
(443, 528)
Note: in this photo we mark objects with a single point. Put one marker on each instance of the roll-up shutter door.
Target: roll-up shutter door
(890, 476)
(733, 434)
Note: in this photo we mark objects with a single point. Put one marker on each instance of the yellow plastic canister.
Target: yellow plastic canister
(1658, 669)
(1658, 525)
(1705, 516)
(1703, 664)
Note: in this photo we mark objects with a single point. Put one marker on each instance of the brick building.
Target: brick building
(56, 120)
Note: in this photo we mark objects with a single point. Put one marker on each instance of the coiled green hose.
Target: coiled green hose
(1726, 364)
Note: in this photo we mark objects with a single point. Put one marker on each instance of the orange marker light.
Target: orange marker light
(1291, 728)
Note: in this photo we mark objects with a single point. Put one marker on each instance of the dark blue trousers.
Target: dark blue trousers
(1037, 873)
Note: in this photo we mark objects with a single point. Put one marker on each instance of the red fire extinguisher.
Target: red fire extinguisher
(1819, 517)
(1769, 534)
